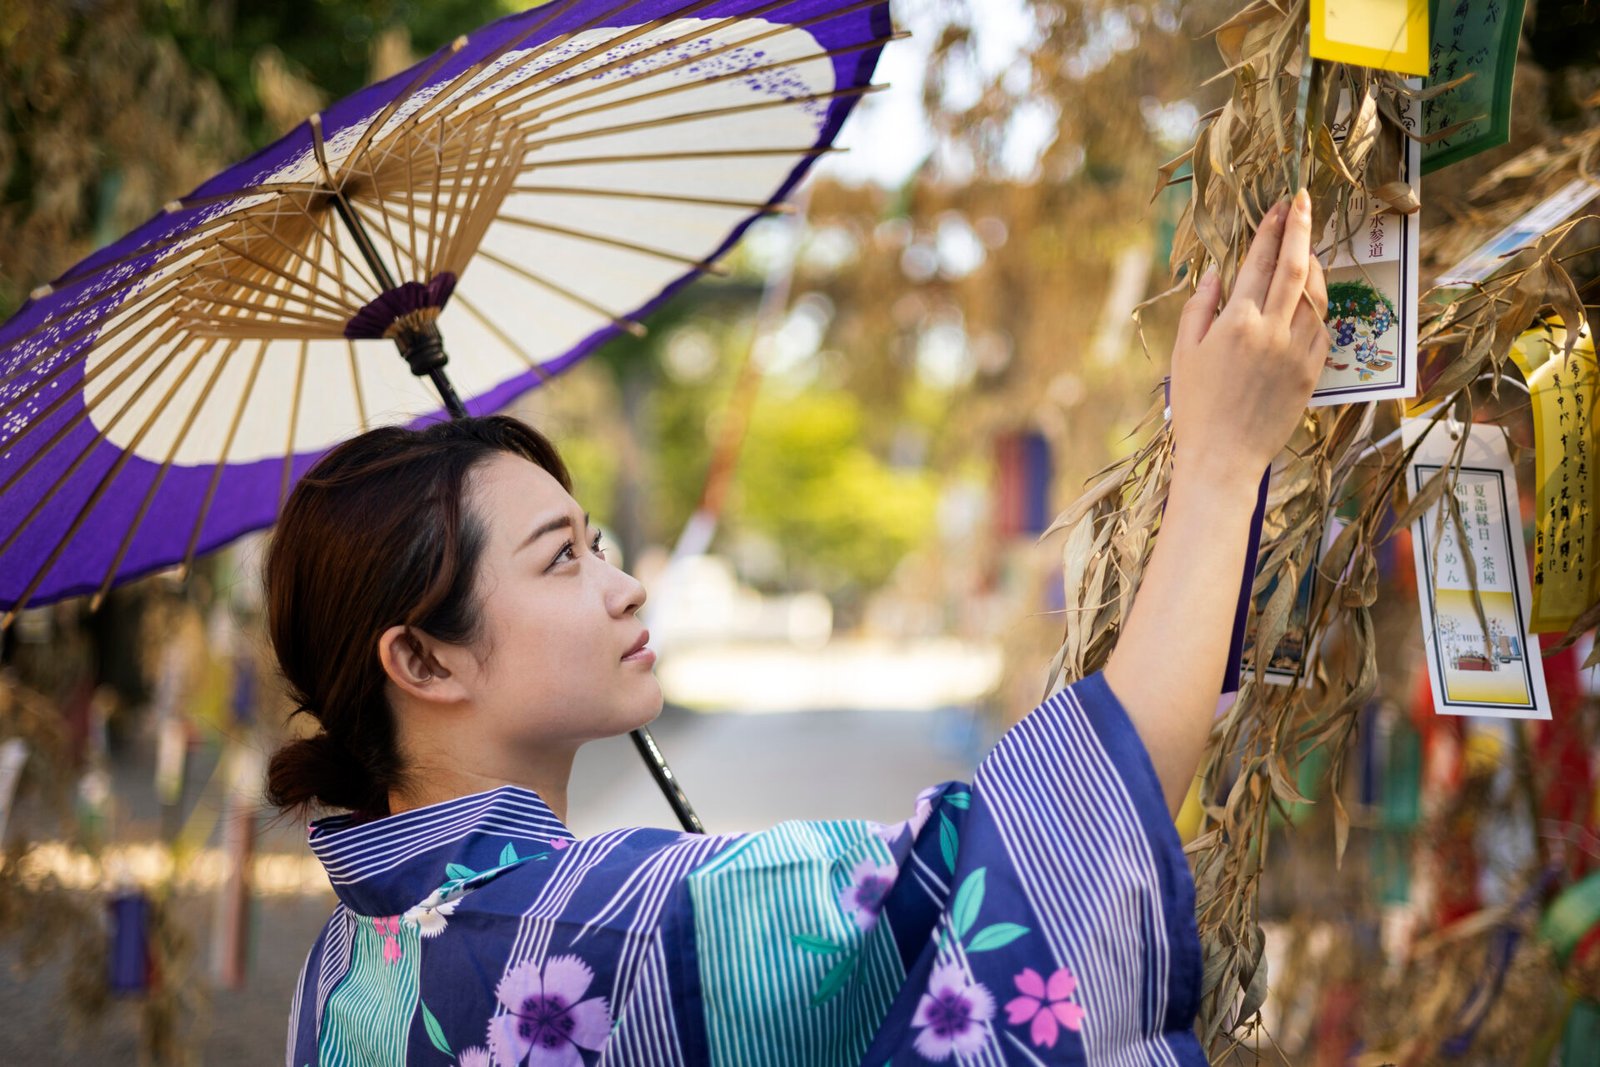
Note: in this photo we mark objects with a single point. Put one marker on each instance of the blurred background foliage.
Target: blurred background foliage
(971, 298)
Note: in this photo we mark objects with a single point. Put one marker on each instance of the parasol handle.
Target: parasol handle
(677, 799)
(424, 352)
(447, 393)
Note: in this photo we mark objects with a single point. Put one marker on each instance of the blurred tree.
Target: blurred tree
(109, 108)
(993, 292)
(101, 121)
(840, 516)
(327, 43)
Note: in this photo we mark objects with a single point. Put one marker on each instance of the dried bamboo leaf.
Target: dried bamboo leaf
(1341, 829)
(1398, 195)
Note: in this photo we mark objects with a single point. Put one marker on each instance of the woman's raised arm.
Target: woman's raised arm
(1241, 380)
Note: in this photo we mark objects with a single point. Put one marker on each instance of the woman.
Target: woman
(440, 604)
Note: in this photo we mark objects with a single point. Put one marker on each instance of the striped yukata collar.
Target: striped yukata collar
(384, 866)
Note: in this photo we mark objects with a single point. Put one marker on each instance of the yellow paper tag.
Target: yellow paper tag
(1568, 479)
(1389, 34)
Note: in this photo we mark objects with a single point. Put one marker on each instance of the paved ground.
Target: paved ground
(741, 771)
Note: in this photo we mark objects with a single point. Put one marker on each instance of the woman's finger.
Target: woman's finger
(1294, 262)
(1317, 288)
(1308, 333)
(1199, 311)
(1255, 277)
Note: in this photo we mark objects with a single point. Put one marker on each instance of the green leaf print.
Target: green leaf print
(457, 873)
(812, 943)
(435, 1031)
(508, 855)
(969, 898)
(960, 800)
(835, 980)
(995, 936)
(949, 841)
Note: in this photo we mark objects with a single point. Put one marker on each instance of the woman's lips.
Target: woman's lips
(639, 652)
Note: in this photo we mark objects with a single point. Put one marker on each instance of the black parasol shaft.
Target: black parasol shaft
(426, 355)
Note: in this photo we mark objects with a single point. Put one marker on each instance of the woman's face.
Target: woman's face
(559, 658)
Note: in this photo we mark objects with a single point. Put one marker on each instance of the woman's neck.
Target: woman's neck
(436, 781)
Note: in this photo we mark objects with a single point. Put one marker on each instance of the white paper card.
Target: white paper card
(1372, 290)
(1545, 215)
(1498, 673)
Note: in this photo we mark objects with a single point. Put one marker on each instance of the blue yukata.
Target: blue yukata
(1043, 915)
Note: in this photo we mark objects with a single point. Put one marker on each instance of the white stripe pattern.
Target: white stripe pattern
(648, 1032)
(335, 960)
(539, 920)
(1093, 881)
(649, 886)
(294, 1009)
(361, 856)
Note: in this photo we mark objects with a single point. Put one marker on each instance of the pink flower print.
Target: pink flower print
(388, 927)
(559, 843)
(863, 898)
(1045, 1005)
(548, 1022)
(476, 1056)
(951, 1014)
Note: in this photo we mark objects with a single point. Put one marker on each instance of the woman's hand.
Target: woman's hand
(1241, 379)
(1240, 383)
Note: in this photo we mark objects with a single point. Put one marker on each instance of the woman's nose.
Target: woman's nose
(626, 594)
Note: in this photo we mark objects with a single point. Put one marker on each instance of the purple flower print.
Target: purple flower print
(863, 898)
(924, 809)
(919, 818)
(547, 1021)
(1045, 1004)
(951, 1014)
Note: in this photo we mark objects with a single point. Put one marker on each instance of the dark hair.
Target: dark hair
(375, 535)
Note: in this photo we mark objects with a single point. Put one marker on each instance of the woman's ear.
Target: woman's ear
(410, 659)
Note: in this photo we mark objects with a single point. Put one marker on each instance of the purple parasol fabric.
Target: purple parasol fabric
(531, 190)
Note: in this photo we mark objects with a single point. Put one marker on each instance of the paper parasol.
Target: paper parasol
(514, 200)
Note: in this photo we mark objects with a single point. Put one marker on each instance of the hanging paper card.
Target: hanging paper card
(1493, 253)
(1292, 656)
(1479, 665)
(128, 960)
(1232, 672)
(1476, 37)
(1372, 297)
(1389, 34)
(1563, 393)
(1288, 661)
(13, 754)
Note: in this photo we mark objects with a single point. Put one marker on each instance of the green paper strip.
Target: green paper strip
(1571, 916)
(1477, 37)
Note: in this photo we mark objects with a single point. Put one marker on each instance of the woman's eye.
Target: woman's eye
(566, 554)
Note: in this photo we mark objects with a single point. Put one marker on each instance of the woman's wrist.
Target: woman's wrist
(1217, 486)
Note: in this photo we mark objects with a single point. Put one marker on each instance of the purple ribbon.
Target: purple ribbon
(373, 321)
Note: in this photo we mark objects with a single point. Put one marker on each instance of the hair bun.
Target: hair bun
(319, 770)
